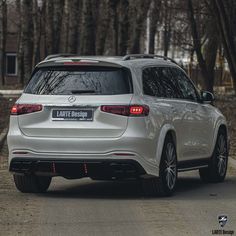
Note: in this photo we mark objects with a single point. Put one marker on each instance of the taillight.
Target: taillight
(20, 109)
(126, 110)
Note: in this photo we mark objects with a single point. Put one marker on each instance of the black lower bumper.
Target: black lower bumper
(97, 169)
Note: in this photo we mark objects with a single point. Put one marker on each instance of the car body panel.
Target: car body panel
(41, 124)
(193, 125)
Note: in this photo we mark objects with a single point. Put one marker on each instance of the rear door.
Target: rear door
(164, 97)
(197, 118)
(72, 97)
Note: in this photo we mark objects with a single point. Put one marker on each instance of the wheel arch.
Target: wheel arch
(167, 130)
(172, 134)
(221, 126)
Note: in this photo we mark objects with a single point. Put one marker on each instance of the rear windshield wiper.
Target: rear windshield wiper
(82, 91)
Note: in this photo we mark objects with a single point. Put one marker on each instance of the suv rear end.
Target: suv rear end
(80, 118)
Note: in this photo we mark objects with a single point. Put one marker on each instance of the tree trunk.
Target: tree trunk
(210, 54)
(88, 40)
(140, 10)
(114, 26)
(36, 33)
(208, 75)
(123, 27)
(154, 17)
(57, 22)
(74, 8)
(48, 4)
(3, 33)
(65, 27)
(102, 27)
(27, 38)
(223, 19)
(20, 54)
(167, 27)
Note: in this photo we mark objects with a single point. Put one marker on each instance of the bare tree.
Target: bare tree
(139, 11)
(88, 31)
(167, 15)
(102, 27)
(3, 33)
(73, 27)
(65, 27)
(36, 32)
(48, 26)
(123, 27)
(226, 19)
(116, 27)
(20, 54)
(113, 5)
(57, 22)
(206, 64)
(154, 19)
(27, 39)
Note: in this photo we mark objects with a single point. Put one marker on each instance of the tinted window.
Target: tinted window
(159, 82)
(187, 89)
(151, 83)
(170, 84)
(11, 64)
(65, 81)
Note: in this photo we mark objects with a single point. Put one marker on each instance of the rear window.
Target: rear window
(80, 80)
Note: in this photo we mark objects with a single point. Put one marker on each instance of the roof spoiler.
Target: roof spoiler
(52, 56)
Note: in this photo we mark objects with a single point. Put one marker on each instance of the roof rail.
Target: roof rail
(59, 55)
(150, 56)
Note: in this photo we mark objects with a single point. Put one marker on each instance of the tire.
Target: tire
(217, 167)
(31, 183)
(165, 184)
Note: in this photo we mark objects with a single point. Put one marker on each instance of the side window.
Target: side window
(152, 85)
(169, 83)
(160, 82)
(187, 89)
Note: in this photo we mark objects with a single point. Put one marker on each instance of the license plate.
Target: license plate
(73, 114)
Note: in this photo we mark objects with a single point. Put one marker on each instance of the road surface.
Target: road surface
(86, 207)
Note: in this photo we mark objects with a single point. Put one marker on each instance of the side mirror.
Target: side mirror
(207, 97)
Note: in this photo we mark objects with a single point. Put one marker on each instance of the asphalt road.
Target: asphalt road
(86, 207)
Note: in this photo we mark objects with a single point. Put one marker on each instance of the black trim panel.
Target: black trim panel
(72, 168)
(193, 164)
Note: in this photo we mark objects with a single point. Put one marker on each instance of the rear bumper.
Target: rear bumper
(74, 168)
(136, 143)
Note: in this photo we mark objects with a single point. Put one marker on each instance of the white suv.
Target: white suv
(139, 117)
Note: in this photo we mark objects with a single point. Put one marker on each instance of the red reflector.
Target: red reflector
(124, 154)
(20, 109)
(20, 153)
(126, 110)
(14, 110)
